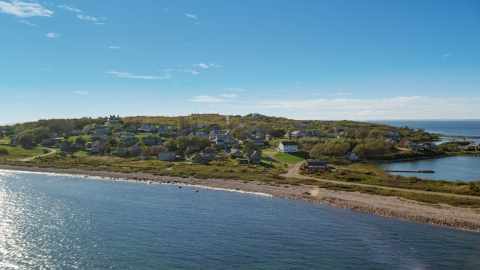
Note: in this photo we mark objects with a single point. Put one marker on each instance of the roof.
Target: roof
(288, 143)
(316, 162)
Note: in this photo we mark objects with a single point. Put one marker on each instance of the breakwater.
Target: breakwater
(412, 171)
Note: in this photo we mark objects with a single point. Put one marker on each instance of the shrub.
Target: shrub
(3, 151)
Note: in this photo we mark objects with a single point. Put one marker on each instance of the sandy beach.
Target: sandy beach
(394, 207)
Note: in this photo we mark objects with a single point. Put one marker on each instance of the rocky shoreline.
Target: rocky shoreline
(394, 207)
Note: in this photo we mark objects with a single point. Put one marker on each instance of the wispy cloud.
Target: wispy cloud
(52, 35)
(229, 95)
(340, 94)
(88, 18)
(69, 8)
(26, 22)
(400, 107)
(206, 99)
(202, 65)
(81, 93)
(131, 76)
(317, 94)
(447, 55)
(192, 16)
(166, 70)
(234, 89)
(46, 69)
(23, 10)
(191, 71)
(215, 65)
(114, 47)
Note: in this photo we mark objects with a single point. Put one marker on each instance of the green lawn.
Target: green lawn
(268, 150)
(292, 158)
(18, 152)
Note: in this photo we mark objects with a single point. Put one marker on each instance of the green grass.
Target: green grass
(292, 158)
(370, 175)
(268, 150)
(18, 152)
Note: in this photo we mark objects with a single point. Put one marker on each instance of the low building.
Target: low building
(131, 129)
(120, 152)
(209, 155)
(149, 141)
(254, 157)
(135, 150)
(315, 165)
(351, 156)
(287, 147)
(167, 155)
(198, 159)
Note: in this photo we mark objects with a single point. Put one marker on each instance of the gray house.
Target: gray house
(209, 155)
(167, 155)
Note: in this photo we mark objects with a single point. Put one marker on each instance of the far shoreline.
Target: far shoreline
(393, 207)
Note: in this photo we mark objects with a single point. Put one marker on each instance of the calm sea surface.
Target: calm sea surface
(449, 168)
(447, 127)
(63, 222)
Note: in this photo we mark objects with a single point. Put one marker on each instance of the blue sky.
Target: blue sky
(353, 60)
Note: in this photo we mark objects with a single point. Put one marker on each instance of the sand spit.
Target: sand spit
(394, 207)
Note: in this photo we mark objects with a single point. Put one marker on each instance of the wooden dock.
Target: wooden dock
(412, 171)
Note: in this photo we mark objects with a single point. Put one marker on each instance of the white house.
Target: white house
(287, 147)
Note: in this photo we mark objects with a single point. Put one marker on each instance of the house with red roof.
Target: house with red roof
(287, 147)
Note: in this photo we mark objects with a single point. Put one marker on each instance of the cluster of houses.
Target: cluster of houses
(220, 140)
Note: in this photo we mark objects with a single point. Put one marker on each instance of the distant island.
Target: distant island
(255, 149)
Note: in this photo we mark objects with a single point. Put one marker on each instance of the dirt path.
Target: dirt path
(293, 173)
(52, 151)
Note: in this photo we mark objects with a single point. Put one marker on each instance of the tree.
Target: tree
(3, 151)
(376, 134)
(318, 151)
(181, 143)
(107, 148)
(277, 133)
(250, 146)
(121, 145)
(240, 133)
(146, 152)
(25, 139)
(80, 140)
(158, 149)
(112, 141)
(170, 145)
(362, 134)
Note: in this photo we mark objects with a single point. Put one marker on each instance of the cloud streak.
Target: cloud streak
(69, 8)
(23, 10)
(52, 35)
(88, 18)
(447, 55)
(192, 16)
(206, 98)
(81, 93)
(114, 47)
(191, 71)
(202, 65)
(229, 95)
(26, 22)
(131, 76)
(400, 107)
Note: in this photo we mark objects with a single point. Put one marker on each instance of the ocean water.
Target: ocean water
(446, 127)
(465, 168)
(65, 222)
